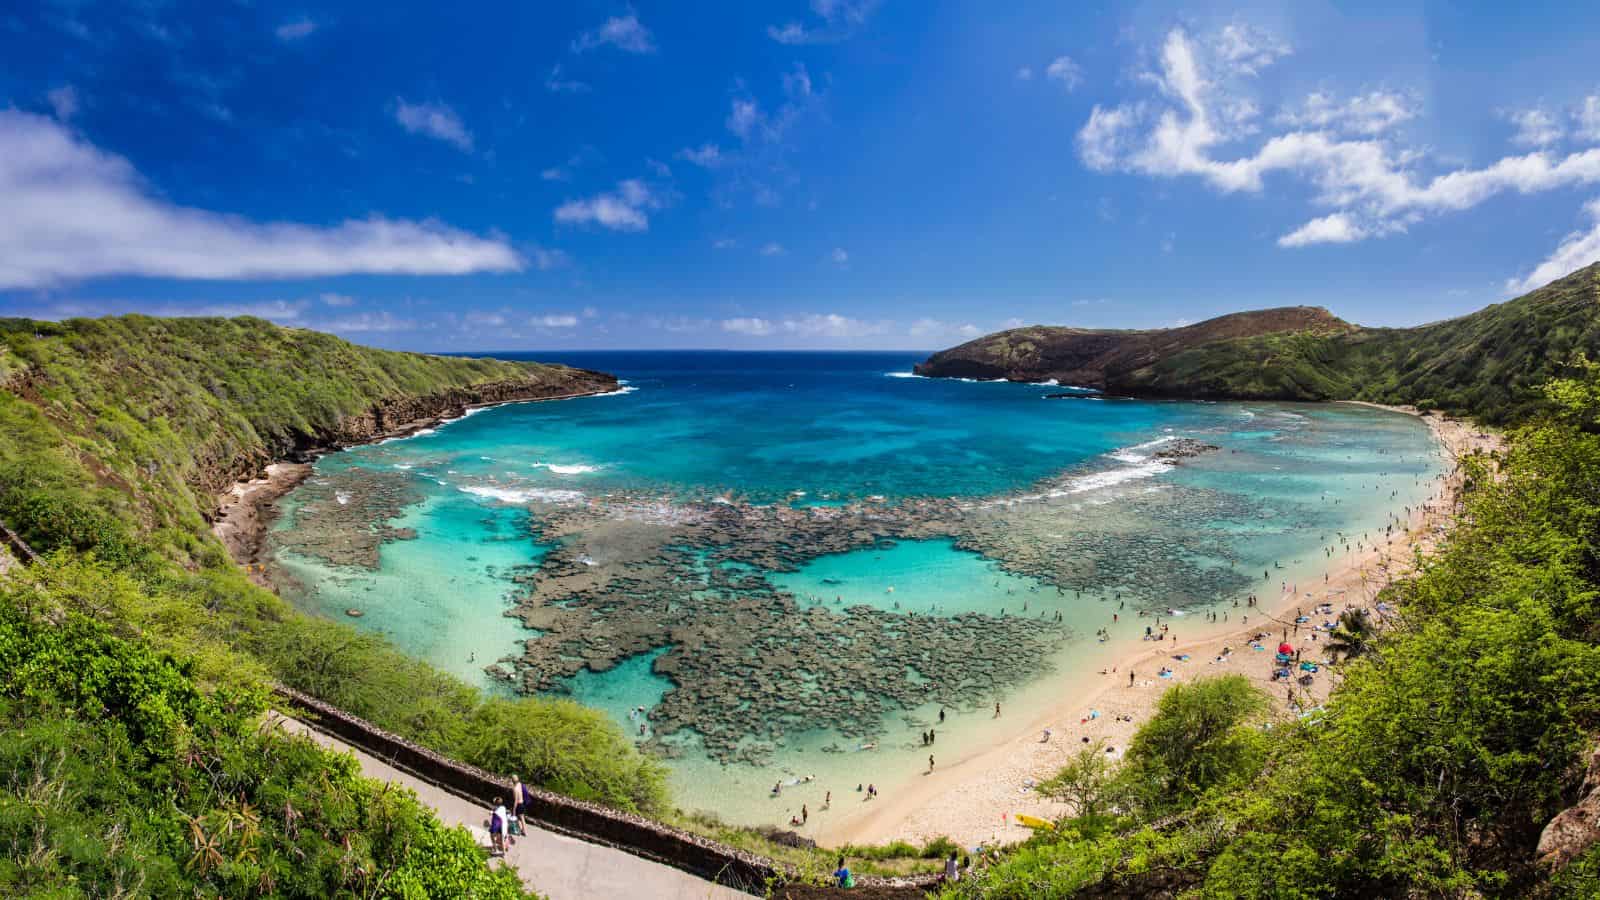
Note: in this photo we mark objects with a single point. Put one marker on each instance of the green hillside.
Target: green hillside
(172, 411)
(138, 732)
(1489, 364)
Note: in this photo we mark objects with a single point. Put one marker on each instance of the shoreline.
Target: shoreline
(245, 511)
(976, 798)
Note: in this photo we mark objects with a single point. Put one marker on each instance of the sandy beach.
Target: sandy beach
(976, 799)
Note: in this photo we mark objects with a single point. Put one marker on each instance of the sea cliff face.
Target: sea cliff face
(397, 415)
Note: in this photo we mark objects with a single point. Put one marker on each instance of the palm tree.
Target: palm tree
(1352, 636)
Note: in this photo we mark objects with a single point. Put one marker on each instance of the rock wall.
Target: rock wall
(1575, 829)
(586, 821)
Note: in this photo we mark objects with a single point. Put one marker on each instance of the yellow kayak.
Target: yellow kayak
(1034, 822)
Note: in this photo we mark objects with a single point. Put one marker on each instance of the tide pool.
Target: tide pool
(795, 561)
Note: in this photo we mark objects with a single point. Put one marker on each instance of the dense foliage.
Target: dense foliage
(1488, 365)
(121, 777)
(111, 429)
(1453, 737)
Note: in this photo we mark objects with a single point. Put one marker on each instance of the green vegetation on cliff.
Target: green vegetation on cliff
(121, 776)
(169, 412)
(1465, 725)
(114, 437)
(1488, 365)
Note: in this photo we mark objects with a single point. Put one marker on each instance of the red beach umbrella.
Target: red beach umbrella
(1284, 648)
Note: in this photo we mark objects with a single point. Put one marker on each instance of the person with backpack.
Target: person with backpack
(842, 876)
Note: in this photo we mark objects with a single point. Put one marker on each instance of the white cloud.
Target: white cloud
(745, 118)
(547, 258)
(813, 325)
(1104, 141)
(797, 82)
(706, 155)
(772, 248)
(64, 101)
(832, 325)
(626, 33)
(1535, 127)
(1247, 49)
(934, 328)
(295, 29)
(554, 320)
(749, 326)
(624, 209)
(1578, 249)
(839, 256)
(557, 83)
(1587, 117)
(284, 312)
(435, 120)
(1337, 228)
(1063, 70)
(485, 319)
(1371, 182)
(366, 322)
(1364, 114)
(840, 19)
(724, 243)
(555, 173)
(332, 299)
(73, 211)
(1025, 73)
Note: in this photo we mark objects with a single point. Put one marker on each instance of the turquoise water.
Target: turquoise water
(1071, 512)
(932, 577)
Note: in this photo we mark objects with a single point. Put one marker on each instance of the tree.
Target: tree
(1085, 781)
(1199, 738)
(1353, 635)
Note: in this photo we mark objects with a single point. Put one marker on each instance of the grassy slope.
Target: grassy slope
(1488, 364)
(170, 410)
(112, 434)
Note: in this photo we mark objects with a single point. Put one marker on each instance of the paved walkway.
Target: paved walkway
(555, 865)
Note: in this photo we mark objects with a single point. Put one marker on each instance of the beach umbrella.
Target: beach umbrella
(1284, 648)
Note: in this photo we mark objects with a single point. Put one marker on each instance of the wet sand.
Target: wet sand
(976, 799)
(244, 513)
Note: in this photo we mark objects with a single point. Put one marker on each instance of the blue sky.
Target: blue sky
(838, 173)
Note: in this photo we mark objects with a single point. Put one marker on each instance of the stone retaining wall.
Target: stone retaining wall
(588, 821)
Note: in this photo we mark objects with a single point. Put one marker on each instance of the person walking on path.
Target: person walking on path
(521, 802)
(497, 827)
